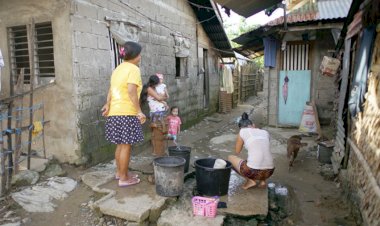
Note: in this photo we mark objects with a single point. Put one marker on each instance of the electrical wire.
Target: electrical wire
(172, 30)
(200, 6)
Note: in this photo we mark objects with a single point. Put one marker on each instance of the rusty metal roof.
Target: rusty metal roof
(247, 8)
(208, 16)
(321, 11)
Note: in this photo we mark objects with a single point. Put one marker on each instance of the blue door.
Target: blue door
(294, 92)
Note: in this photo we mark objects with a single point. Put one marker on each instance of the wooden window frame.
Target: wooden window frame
(18, 43)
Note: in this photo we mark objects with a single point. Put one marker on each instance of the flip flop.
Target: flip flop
(134, 175)
(129, 182)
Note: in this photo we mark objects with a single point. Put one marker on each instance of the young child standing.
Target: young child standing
(174, 122)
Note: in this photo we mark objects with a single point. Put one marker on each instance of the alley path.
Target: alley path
(313, 200)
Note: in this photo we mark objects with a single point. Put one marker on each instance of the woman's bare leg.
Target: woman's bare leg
(235, 161)
(117, 160)
(124, 157)
(262, 184)
(249, 184)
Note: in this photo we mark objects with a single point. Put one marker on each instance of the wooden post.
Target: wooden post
(19, 90)
(9, 150)
(316, 119)
(43, 130)
(2, 158)
(9, 134)
(31, 35)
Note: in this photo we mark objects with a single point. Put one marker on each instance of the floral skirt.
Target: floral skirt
(254, 174)
(124, 130)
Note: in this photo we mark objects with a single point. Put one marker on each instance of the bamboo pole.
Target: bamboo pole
(32, 74)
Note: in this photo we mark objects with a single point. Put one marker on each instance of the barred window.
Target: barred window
(43, 52)
(116, 52)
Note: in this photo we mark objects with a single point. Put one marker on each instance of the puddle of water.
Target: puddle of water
(235, 183)
(225, 150)
(223, 139)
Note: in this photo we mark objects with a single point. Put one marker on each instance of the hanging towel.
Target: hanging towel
(270, 49)
(228, 83)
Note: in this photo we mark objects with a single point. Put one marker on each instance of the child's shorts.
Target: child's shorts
(172, 137)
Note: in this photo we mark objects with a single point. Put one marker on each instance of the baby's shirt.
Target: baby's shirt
(160, 88)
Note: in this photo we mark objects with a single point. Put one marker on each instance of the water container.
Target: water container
(181, 151)
(169, 176)
(210, 181)
(324, 153)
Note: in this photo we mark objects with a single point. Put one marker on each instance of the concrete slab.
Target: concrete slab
(142, 164)
(129, 208)
(97, 178)
(139, 203)
(178, 217)
(37, 164)
(136, 203)
(180, 213)
(39, 198)
(138, 163)
(242, 202)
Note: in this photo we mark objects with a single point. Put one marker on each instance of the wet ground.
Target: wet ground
(313, 200)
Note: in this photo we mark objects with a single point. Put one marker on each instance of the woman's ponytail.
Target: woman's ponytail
(244, 121)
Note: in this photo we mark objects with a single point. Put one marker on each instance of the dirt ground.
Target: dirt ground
(314, 200)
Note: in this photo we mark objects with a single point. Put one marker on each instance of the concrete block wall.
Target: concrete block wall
(93, 63)
(271, 91)
(84, 63)
(323, 86)
(60, 100)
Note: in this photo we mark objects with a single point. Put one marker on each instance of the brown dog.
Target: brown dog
(294, 145)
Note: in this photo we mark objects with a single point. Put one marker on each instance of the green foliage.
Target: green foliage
(234, 30)
(259, 61)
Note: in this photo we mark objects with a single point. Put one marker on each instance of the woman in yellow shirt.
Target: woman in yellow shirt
(123, 112)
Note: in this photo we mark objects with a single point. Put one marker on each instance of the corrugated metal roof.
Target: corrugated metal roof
(332, 9)
(321, 10)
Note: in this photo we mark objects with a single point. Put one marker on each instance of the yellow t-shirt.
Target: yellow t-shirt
(123, 74)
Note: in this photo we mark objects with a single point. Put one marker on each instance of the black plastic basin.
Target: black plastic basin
(210, 181)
